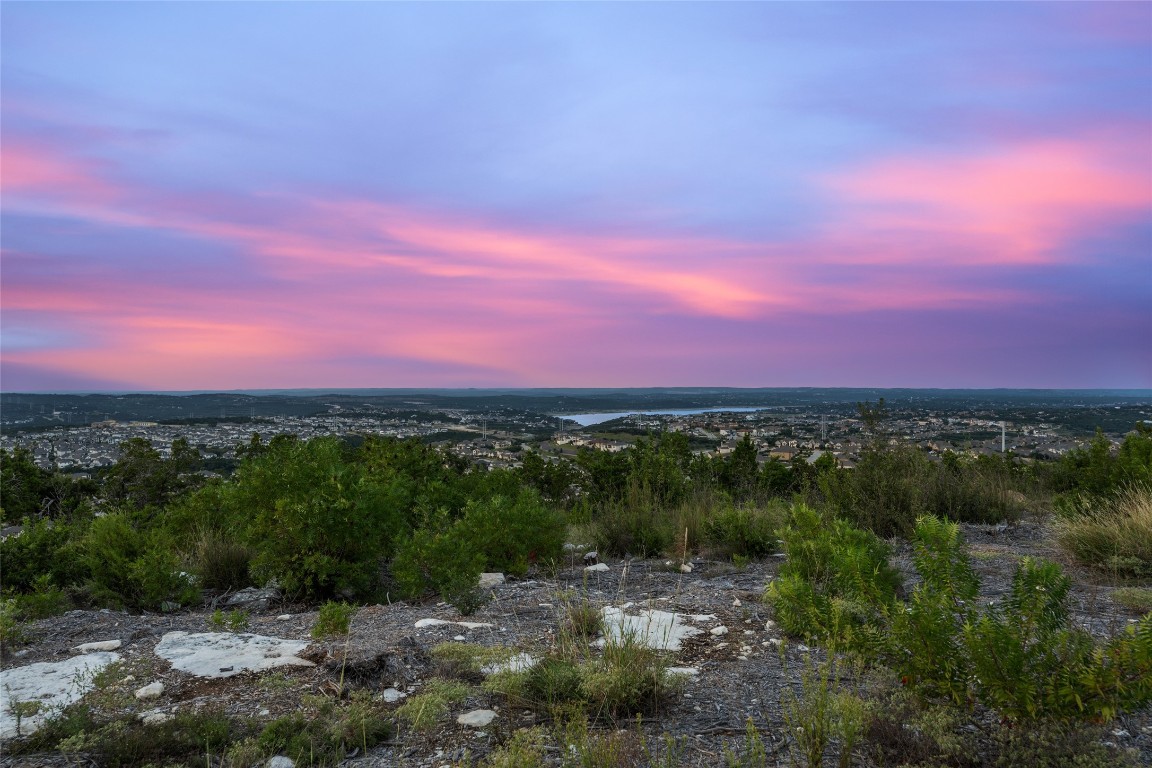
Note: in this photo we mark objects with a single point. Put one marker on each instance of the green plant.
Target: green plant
(1057, 744)
(134, 568)
(809, 715)
(1136, 599)
(746, 531)
(1113, 533)
(927, 638)
(425, 709)
(524, 750)
(12, 629)
(333, 619)
(634, 524)
(438, 557)
(1028, 664)
(836, 585)
(222, 562)
(753, 755)
(325, 731)
(627, 679)
(235, 620)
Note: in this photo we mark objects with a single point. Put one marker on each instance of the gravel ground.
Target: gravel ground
(742, 674)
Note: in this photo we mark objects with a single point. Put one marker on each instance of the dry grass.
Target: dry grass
(1113, 534)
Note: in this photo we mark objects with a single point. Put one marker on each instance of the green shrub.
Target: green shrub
(634, 524)
(836, 585)
(43, 601)
(1113, 533)
(333, 619)
(43, 547)
(326, 730)
(1056, 744)
(524, 750)
(513, 533)
(222, 562)
(927, 632)
(437, 558)
(746, 531)
(1028, 664)
(132, 568)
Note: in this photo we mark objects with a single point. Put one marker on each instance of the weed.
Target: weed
(524, 750)
(753, 754)
(431, 704)
(333, 619)
(1113, 533)
(1134, 599)
(746, 532)
(325, 731)
(809, 716)
(222, 562)
(234, 621)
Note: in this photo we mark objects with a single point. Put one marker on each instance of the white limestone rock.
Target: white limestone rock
(280, 761)
(155, 717)
(683, 671)
(598, 568)
(477, 718)
(425, 623)
(391, 695)
(53, 685)
(489, 580)
(101, 645)
(719, 631)
(521, 662)
(150, 691)
(660, 630)
(224, 654)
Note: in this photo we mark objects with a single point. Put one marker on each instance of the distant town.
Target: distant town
(494, 428)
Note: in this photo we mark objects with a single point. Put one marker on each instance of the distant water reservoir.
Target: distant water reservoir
(588, 419)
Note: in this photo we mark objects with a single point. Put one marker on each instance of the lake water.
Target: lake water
(588, 419)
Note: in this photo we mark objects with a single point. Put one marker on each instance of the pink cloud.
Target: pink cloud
(1014, 205)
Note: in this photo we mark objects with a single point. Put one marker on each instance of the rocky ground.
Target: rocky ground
(743, 670)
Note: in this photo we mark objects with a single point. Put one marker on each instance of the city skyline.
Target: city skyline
(252, 196)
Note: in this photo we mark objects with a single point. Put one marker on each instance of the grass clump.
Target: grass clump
(324, 733)
(235, 620)
(744, 531)
(425, 709)
(222, 562)
(1113, 533)
(1135, 599)
(333, 620)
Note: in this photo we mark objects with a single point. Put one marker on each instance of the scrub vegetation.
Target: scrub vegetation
(337, 524)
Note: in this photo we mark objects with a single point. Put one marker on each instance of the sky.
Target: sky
(210, 195)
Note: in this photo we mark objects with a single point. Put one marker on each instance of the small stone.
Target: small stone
(489, 580)
(102, 645)
(719, 631)
(685, 568)
(284, 617)
(391, 695)
(459, 638)
(477, 718)
(598, 568)
(155, 717)
(280, 761)
(683, 671)
(769, 625)
(736, 602)
(150, 691)
(591, 557)
(1120, 733)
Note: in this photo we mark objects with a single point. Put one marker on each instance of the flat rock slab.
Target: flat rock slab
(660, 630)
(477, 718)
(102, 645)
(425, 623)
(53, 685)
(224, 654)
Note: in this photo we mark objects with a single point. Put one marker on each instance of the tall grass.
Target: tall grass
(1113, 533)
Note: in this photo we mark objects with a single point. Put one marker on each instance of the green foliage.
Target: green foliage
(636, 524)
(1096, 471)
(1056, 744)
(143, 478)
(438, 557)
(326, 731)
(744, 531)
(927, 632)
(524, 750)
(1028, 664)
(320, 524)
(512, 533)
(27, 491)
(836, 585)
(233, 621)
(43, 547)
(133, 568)
(333, 619)
(222, 562)
(425, 709)
(1136, 599)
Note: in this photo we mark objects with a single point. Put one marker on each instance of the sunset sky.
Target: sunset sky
(278, 195)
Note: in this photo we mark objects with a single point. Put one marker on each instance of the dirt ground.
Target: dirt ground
(742, 674)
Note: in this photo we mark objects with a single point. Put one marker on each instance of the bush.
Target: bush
(437, 558)
(513, 533)
(425, 709)
(746, 531)
(222, 562)
(133, 569)
(927, 632)
(326, 731)
(635, 524)
(1112, 533)
(43, 547)
(333, 619)
(836, 585)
